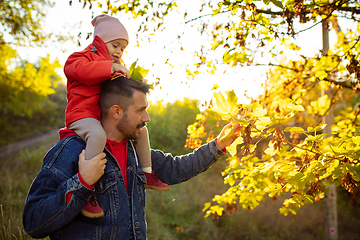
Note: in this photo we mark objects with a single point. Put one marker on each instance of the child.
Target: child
(85, 72)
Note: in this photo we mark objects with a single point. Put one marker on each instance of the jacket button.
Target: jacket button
(116, 169)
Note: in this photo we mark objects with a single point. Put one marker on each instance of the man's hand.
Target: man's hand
(92, 170)
(116, 67)
(221, 143)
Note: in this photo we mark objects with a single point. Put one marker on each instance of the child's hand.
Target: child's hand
(116, 67)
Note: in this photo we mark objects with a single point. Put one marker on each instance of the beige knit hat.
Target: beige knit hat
(109, 28)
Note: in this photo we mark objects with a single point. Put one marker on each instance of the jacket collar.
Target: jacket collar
(98, 46)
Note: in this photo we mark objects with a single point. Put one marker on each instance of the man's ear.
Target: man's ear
(116, 112)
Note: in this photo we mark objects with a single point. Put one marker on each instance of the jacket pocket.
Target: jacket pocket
(105, 182)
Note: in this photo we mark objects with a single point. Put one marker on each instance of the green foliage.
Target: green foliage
(28, 103)
(167, 128)
(136, 72)
(23, 88)
(21, 21)
(50, 116)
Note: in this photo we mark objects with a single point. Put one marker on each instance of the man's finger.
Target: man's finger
(100, 156)
(82, 155)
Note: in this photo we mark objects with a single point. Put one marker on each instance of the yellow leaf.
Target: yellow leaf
(266, 166)
(233, 147)
(226, 108)
(219, 210)
(356, 140)
(206, 206)
(294, 129)
(294, 107)
(216, 86)
(208, 212)
(270, 151)
(258, 112)
(230, 179)
(262, 122)
(228, 133)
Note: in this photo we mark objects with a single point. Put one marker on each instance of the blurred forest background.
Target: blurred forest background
(33, 100)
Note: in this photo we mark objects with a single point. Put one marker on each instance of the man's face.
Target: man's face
(135, 118)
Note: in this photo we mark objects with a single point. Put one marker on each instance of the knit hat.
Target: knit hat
(109, 28)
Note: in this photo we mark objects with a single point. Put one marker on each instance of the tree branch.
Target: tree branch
(345, 9)
(349, 9)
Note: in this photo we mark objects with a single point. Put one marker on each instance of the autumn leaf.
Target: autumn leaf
(256, 110)
(294, 129)
(272, 149)
(317, 128)
(232, 149)
(226, 108)
(262, 123)
(228, 133)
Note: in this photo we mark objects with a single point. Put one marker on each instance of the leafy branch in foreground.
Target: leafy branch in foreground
(304, 168)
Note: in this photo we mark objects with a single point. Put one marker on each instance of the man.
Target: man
(66, 182)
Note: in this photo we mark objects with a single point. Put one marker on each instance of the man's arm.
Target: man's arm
(46, 209)
(172, 170)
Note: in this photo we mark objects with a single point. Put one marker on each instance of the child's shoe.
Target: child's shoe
(154, 183)
(92, 209)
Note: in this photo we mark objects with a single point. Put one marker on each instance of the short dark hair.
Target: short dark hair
(119, 91)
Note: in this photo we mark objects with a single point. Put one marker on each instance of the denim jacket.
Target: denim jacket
(46, 212)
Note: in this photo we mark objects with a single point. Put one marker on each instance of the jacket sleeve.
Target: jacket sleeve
(172, 170)
(45, 209)
(87, 71)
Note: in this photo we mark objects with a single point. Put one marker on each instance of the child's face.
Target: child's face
(116, 49)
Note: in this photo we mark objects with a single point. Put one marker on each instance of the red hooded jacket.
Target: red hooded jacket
(85, 71)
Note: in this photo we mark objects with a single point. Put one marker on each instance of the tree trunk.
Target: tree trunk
(331, 224)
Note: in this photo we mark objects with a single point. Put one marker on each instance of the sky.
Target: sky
(64, 18)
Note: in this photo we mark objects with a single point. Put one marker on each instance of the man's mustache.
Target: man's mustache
(141, 125)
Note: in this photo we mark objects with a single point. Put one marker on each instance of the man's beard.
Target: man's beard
(124, 127)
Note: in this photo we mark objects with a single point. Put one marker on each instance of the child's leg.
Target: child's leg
(92, 132)
(143, 149)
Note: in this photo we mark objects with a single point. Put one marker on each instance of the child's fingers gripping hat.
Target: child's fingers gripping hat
(109, 28)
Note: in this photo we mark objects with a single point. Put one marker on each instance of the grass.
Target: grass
(177, 214)
(16, 176)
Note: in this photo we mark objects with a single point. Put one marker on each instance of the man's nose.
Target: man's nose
(146, 117)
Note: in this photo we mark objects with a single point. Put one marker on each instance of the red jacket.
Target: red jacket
(85, 71)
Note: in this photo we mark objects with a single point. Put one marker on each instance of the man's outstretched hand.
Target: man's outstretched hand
(227, 135)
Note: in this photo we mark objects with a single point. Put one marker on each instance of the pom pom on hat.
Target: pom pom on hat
(109, 28)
